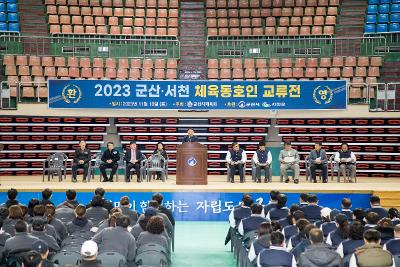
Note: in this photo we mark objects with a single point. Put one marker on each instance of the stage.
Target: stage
(216, 183)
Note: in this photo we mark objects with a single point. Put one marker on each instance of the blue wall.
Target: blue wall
(198, 206)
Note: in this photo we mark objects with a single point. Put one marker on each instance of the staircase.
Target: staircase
(33, 23)
(351, 23)
(192, 65)
(390, 72)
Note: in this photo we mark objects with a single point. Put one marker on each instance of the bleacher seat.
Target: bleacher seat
(9, 16)
(355, 69)
(381, 15)
(115, 17)
(270, 18)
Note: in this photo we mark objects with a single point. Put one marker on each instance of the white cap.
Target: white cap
(89, 249)
(325, 212)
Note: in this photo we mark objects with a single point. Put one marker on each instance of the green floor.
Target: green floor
(201, 244)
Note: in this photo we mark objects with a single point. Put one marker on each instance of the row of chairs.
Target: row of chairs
(113, 30)
(272, 31)
(112, 12)
(273, 13)
(324, 62)
(271, 22)
(116, 3)
(269, 3)
(56, 164)
(85, 62)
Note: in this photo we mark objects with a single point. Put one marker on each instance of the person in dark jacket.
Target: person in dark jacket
(303, 200)
(42, 248)
(46, 196)
(393, 245)
(301, 234)
(346, 208)
(39, 213)
(253, 222)
(289, 219)
(312, 211)
(12, 198)
(375, 203)
(356, 240)
(291, 229)
(31, 259)
(335, 237)
(385, 227)
(31, 204)
(190, 137)
(241, 212)
(107, 204)
(81, 160)
(162, 152)
(80, 222)
(96, 213)
(304, 243)
(281, 211)
(141, 226)
(15, 214)
(109, 160)
(273, 199)
(22, 241)
(319, 254)
(276, 254)
(159, 198)
(318, 161)
(328, 221)
(89, 251)
(359, 215)
(3, 237)
(56, 223)
(111, 220)
(133, 158)
(371, 219)
(154, 234)
(394, 216)
(117, 239)
(38, 231)
(124, 205)
(263, 241)
(70, 201)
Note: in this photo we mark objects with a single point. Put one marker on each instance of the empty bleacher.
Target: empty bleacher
(29, 140)
(115, 17)
(33, 71)
(357, 70)
(9, 17)
(383, 16)
(376, 142)
(271, 18)
(216, 133)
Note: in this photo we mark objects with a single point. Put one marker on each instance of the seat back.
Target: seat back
(97, 159)
(57, 160)
(66, 258)
(156, 163)
(112, 259)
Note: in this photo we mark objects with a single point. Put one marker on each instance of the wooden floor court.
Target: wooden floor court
(216, 183)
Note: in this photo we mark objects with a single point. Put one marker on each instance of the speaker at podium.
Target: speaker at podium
(191, 164)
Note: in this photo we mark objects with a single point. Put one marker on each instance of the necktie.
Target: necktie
(133, 153)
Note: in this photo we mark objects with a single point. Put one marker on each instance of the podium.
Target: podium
(191, 164)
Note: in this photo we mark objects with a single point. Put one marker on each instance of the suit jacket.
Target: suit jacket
(187, 139)
(313, 156)
(113, 155)
(163, 153)
(139, 155)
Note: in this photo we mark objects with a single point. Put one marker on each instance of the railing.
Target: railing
(387, 97)
(116, 46)
(266, 47)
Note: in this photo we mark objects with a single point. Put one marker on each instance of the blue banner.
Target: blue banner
(197, 206)
(197, 95)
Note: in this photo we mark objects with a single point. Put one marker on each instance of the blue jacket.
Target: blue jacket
(313, 156)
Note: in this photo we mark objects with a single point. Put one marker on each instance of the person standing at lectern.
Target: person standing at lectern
(190, 137)
(262, 158)
(318, 160)
(133, 158)
(109, 161)
(81, 160)
(236, 159)
(289, 159)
